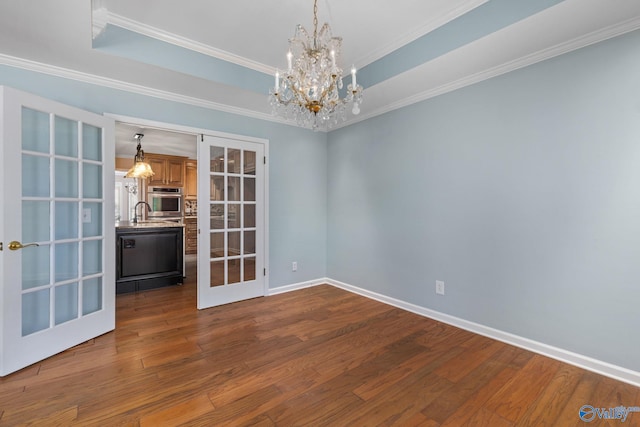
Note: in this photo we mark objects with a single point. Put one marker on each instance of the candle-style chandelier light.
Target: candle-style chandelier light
(308, 91)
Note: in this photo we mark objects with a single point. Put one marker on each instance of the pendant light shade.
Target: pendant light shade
(140, 168)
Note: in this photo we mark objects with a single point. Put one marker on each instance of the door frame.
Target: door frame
(172, 127)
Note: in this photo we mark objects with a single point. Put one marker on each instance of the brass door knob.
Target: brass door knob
(15, 245)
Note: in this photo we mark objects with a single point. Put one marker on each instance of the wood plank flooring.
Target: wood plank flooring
(315, 357)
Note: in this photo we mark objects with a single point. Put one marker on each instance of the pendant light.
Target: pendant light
(140, 168)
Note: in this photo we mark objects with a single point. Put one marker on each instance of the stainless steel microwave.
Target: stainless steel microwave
(165, 201)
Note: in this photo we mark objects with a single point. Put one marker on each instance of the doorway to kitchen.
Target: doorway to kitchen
(244, 235)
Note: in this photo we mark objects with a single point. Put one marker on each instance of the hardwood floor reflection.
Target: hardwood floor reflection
(318, 356)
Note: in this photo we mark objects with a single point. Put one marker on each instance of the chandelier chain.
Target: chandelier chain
(315, 24)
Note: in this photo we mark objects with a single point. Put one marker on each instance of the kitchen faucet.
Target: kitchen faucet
(135, 211)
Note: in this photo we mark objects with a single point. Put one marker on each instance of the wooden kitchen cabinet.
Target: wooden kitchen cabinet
(190, 179)
(168, 170)
(191, 236)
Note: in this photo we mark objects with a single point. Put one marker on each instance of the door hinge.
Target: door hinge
(202, 137)
(264, 160)
(0, 246)
(264, 271)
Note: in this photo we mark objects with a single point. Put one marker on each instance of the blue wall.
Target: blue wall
(297, 178)
(521, 193)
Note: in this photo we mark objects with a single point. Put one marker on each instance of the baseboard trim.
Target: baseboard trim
(603, 368)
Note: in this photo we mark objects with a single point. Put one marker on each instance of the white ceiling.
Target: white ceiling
(55, 37)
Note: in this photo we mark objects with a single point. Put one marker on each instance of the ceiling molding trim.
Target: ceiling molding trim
(130, 87)
(539, 56)
(418, 32)
(99, 19)
(165, 36)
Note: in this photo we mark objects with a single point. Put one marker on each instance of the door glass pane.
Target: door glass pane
(66, 137)
(249, 269)
(92, 295)
(66, 261)
(35, 131)
(35, 266)
(66, 225)
(66, 303)
(233, 243)
(233, 218)
(92, 181)
(234, 271)
(217, 159)
(233, 165)
(217, 273)
(35, 176)
(35, 221)
(249, 189)
(217, 188)
(217, 216)
(233, 187)
(250, 162)
(91, 219)
(249, 215)
(66, 178)
(35, 311)
(249, 242)
(91, 257)
(91, 142)
(217, 245)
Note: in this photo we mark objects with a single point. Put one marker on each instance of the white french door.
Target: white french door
(57, 236)
(231, 221)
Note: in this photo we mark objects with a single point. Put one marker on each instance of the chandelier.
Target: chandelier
(308, 92)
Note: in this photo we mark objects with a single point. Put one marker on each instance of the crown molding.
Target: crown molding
(165, 36)
(539, 56)
(66, 73)
(420, 31)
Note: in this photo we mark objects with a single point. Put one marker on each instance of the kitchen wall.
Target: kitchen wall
(297, 162)
(521, 193)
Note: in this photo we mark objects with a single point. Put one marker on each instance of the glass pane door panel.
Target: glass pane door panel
(234, 271)
(39, 257)
(66, 133)
(91, 219)
(35, 311)
(66, 261)
(249, 162)
(35, 176)
(217, 159)
(249, 269)
(249, 189)
(35, 221)
(91, 181)
(217, 188)
(91, 295)
(249, 215)
(217, 216)
(66, 178)
(91, 257)
(217, 245)
(249, 242)
(217, 273)
(233, 165)
(233, 218)
(66, 225)
(233, 187)
(233, 243)
(91, 142)
(35, 131)
(66, 303)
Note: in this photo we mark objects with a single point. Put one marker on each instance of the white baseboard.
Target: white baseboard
(579, 360)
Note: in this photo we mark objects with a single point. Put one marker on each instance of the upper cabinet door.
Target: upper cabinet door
(57, 232)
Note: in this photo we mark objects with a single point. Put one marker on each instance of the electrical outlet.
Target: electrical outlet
(294, 266)
(439, 287)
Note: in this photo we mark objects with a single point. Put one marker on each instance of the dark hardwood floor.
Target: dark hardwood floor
(314, 357)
